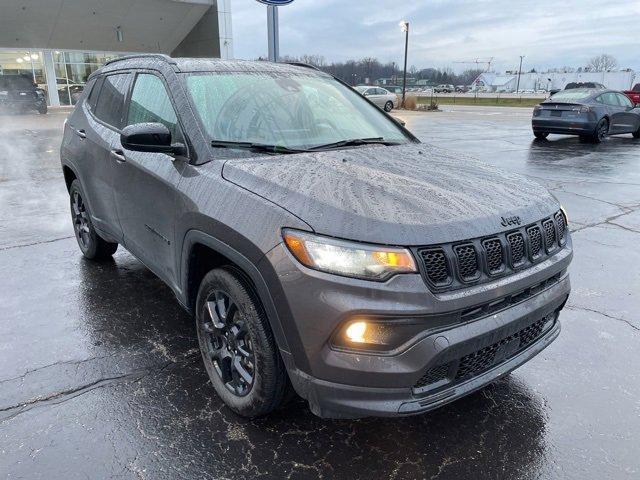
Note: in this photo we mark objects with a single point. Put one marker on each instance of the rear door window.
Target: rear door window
(110, 104)
(610, 99)
(150, 102)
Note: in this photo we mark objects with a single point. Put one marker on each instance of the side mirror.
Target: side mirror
(150, 137)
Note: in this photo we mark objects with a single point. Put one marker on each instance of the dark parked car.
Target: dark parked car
(19, 92)
(574, 85)
(592, 114)
(321, 248)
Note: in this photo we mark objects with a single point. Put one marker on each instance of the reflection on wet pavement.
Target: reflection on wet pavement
(100, 375)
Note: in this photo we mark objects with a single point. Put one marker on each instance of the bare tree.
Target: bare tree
(602, 63)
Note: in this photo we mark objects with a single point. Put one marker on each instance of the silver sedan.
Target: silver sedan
(381, 97)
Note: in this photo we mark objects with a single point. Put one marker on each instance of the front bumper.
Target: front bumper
(22, 104)
(348, 384)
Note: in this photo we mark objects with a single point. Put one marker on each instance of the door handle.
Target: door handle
(118, 155)
(81, 133)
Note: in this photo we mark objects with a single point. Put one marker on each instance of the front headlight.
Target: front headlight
(350, 259)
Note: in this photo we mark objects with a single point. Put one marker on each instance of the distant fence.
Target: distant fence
(488, 99)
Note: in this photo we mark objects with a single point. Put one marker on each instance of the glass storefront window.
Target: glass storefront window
(71, 68)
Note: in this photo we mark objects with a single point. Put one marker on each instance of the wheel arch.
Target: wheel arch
(201, 253)
(69, 176)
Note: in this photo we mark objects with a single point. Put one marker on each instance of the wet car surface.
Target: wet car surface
(100, 375)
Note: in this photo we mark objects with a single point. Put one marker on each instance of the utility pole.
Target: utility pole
(404, 25)
(273, 33)
(519, 73)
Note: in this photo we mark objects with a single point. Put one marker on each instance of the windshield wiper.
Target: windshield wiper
(255, 147)
(354, 142)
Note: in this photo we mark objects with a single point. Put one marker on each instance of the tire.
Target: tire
(91, 244)
(636, 134)
(388, 106)
(541, 135)
(601, 132)
(42, 109)
(237, 345)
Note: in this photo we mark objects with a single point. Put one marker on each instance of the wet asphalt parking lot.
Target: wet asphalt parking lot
(100, 375)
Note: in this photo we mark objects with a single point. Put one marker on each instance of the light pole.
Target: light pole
(519, 73)
(404, 25)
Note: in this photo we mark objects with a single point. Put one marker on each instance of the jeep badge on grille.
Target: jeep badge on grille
(515, 220)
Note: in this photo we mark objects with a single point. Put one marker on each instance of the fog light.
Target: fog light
(355, 332)
(376, 334)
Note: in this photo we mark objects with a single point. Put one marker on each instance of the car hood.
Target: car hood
(412, 194)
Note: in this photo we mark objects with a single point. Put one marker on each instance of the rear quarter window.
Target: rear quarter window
(94, 92)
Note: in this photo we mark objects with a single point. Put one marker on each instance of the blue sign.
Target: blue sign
(275, 3)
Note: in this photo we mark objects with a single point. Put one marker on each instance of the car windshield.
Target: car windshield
(289, 111)
(571, 95)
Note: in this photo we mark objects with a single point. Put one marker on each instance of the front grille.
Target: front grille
(562, 227)
(495, 256)
(516, 247)
(535, 242)
(437, 267)
(433, 375)
(467, 262)
(453, 266)
(477, 362)
(549, 235)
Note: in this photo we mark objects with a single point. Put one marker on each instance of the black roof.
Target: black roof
(205, 65)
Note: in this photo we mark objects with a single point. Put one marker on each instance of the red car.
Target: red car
(634, 94)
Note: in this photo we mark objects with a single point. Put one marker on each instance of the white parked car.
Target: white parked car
(381, 97)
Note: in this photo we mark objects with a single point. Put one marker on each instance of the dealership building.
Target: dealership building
(61, 42)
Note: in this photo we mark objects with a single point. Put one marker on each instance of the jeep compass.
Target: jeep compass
(321, 248)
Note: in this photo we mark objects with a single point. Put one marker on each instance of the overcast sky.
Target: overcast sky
(549, 33)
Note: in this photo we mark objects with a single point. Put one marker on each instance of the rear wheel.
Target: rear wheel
(636, 134)
(91, 244)
(237, 345)
(388, 106)
(541, 135)
(601, 132)
(42, 109)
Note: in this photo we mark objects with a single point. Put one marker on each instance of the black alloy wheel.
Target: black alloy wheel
(227, 343)
(81, 223)
(91, 244)
(602, 130)
(238, 348)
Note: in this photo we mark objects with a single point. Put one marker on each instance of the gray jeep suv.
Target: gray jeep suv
(320, 247)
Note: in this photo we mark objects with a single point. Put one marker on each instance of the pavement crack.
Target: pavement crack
(56, 398)
(11, 247)
(593, 310)
(608, 221)
(55, 364)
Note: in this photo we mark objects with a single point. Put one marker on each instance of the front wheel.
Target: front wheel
(541, 135)
(237, 345)
(388, 106)
(601, 132)
(91, 244)
(42, 109)
(636, 134)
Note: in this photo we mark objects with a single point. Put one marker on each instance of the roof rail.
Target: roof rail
(304, 65)
(156, 56)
